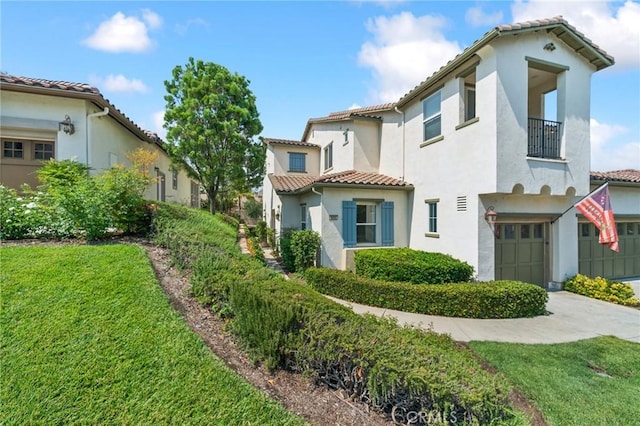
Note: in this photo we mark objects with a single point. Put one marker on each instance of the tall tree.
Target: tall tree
(211, 119)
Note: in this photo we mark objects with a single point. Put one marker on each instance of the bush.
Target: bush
(285, 250)
(261, 231)
(496, 299)
(271, 238)
(396, 370)
(603, 289)
(414, 266)
(304, 248)
(255, 250)
(253, 208)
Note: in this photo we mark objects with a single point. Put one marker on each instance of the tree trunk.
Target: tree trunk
(211, 193)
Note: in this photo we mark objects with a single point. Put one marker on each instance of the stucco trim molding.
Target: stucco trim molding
(28, 123)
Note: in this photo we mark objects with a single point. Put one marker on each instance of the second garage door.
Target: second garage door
(598, 260)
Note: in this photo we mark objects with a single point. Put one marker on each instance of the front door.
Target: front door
(520, 252)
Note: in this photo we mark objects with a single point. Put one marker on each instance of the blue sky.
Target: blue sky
(306, 59)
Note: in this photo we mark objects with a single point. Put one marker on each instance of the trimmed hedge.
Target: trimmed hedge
(496, 299)
(396, 370)
(602, 289)
(413, 266)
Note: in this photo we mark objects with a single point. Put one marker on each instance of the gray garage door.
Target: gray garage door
(520, 252)
(598, 260)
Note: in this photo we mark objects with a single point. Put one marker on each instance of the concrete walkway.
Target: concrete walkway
(572, 317)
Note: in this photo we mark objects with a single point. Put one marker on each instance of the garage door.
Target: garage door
(520, 252)
(598, 260)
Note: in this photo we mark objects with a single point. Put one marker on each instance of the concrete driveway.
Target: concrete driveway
(572, 317)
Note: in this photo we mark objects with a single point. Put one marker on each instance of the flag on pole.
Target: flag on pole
(597, 208)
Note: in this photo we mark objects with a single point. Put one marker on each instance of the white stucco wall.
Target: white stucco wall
(280, 159)
(343, 151)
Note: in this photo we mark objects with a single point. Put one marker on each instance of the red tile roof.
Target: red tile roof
(49, 84)
(289, 142)
(350, 177)
(628, 175)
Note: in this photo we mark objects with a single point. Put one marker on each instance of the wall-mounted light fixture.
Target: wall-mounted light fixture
(490, 216)
(66, 126)
(278, 213)
(550, 47)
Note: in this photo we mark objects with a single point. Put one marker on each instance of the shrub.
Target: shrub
(285, 250)
(253, 208)
(407, 265)
(261, 231)
(271, 238)
(26, 216)
(496, 299)
(254, 248)
(603, 289)
(229, 219)
(286, 324)
(304, 248)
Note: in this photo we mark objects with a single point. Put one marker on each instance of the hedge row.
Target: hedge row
(413, 266)
(395, 370)
(496, 299)
(286, 324)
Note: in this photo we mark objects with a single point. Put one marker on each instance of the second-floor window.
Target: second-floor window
(328, 156)
(431, 116)
(297, 162)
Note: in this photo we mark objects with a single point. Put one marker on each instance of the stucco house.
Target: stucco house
(470, 162)
(44, 119)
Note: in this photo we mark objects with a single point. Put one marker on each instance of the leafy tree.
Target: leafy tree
(211, 119)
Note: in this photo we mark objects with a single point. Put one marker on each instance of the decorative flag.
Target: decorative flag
(597, 208)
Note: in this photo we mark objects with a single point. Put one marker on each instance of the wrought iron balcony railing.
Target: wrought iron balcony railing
(544, 138)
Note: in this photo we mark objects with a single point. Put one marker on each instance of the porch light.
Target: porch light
(490, 216)
(278, 213)
(550, 47)
(66, 126)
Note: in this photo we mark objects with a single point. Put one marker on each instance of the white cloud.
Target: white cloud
(183, 28)
(606, 153)
(122, 33)
(354, 106)
(153, 20)
(158, 121)
(406, 50)
(119, 83)
(478, 18)
(612, 26)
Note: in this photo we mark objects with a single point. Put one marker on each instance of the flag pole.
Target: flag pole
(574, 204)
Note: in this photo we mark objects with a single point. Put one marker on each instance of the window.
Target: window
(303, 216)
(174, 178)
(431, 116)
(469, 102)
(365, 223)
(433, 216)
(297, 162)
(328, 156)
(346, 136)
(43, 150)
(360, 223)
(13, 149)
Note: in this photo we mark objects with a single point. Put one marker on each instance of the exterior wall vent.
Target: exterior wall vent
(461, 203)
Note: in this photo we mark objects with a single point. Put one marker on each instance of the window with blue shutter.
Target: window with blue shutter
(349, 223)
(387, 223)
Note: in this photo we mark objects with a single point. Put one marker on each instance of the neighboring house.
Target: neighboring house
(43, 119)
(467, 163)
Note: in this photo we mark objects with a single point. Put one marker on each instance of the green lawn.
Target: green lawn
(563, 380)
(88, 337)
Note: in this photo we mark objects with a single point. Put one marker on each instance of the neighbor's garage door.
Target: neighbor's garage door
(520, 252)
(598, 260)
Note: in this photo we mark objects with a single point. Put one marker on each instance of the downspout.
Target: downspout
(313, 189)
(95, 114)
(403, 141)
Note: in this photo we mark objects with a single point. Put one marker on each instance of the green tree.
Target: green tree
(211, 119)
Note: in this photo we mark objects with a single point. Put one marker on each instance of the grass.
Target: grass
(563, 380)
(88, 337)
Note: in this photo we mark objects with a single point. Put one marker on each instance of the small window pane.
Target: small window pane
(366, 234)
(297, 162)
(13, 149)
(630, 228)
(432, 128)
(585, 229)
(525, 231)
(509, 232)
(620, 227)
(431, 106)
(433, 217)
(538, 231)
(470, 103)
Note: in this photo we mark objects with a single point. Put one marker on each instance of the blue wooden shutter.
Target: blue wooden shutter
(387, 223)
(349, 223)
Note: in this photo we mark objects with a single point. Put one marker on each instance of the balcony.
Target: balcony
(544, 138)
